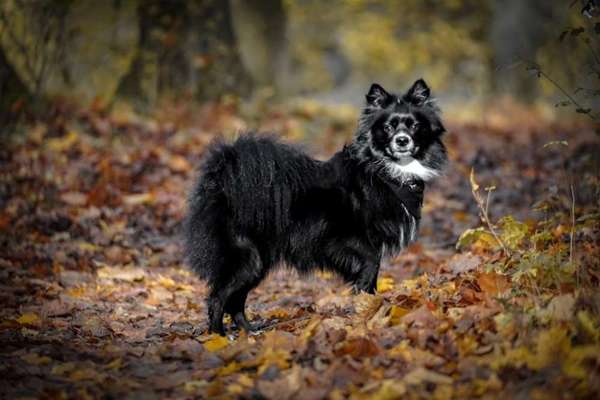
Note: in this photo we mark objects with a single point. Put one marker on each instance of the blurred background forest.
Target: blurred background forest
(141, 54)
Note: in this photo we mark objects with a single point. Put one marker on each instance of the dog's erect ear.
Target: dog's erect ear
(419, 93)
(377, 96)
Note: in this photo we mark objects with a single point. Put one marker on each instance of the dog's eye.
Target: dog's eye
(388, 129)
(415, 126)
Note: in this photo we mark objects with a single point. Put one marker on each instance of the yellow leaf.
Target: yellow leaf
(513, 231)
(410, 284)
(136, 199)
(216, 343)
(117, 363)
(310, 328)
(274, 357)
(84, 374)
(414, 355)
(229, 369)
(62, 143)
(385, 284)
(574, 365)
(235, 389)
(166, 282)
(63, 369)
(86, 246)
(420, 375)
(588, 325)
(278, 313)
(36, 359)
(390, 389)
(467, 345)
(396, 313)
(474, 184)
(192, 387)
(366, 305)
(28, 319)
(245, 380)
(327, 275)
(75, 292)
(552, 345)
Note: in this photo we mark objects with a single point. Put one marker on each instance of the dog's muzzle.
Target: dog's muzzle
(402, 143)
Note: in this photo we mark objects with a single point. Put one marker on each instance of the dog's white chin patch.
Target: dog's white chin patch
(407, 169)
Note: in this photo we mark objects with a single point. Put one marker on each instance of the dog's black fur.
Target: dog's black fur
(260, 203)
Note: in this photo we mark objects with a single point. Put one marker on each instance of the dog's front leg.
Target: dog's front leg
(366, 280)
(358, 265)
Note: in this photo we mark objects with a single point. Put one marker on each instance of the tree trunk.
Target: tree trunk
(260, 28)
(519, 28)
(13, 94)
(185, 47)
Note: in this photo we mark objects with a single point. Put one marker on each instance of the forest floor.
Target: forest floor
(96, 301)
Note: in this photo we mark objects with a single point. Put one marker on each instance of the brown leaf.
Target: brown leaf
(422, 317)
(358, 347)
(493, 283)
(284, 387)
(366, 305)
(464, 262)
(57, 308)
(421, 375)
(129, 273)
(74, 198)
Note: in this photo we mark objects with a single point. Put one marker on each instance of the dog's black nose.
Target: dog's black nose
(402, 141)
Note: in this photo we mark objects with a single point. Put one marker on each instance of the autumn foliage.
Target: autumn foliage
(499, 299)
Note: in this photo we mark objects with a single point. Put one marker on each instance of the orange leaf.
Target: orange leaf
(493, 283)
(359, 347)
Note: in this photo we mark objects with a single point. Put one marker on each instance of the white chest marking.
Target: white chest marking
(412, 168)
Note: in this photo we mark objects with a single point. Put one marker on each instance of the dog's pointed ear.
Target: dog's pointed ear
(419, 93)
(377, 96)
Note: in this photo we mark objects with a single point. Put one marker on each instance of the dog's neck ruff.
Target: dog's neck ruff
(410, 169)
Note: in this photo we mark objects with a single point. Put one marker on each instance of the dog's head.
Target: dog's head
(402, 133)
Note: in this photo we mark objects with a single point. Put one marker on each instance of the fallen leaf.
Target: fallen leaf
(63, 369)
(74, 198)
(36, 359)
(396, 314)
(179, 164)
(29, 318)
(390, 389)
(366, 305)
(560, 308)
(138, 198)
(421, 375)
(129, 273)
(462, 263)
(216, 343)
(493, 283)
(358, 347)
(385, 284)
(422, 317)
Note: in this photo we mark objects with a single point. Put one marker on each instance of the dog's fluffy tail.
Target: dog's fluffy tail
(205, 225)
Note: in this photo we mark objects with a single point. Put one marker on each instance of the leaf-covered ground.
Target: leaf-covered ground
(97, 303)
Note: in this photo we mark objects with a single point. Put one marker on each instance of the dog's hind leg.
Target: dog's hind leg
(248, 275)
(215, 312)
(235, 307)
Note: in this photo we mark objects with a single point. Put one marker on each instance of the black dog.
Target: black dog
(260, 203)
